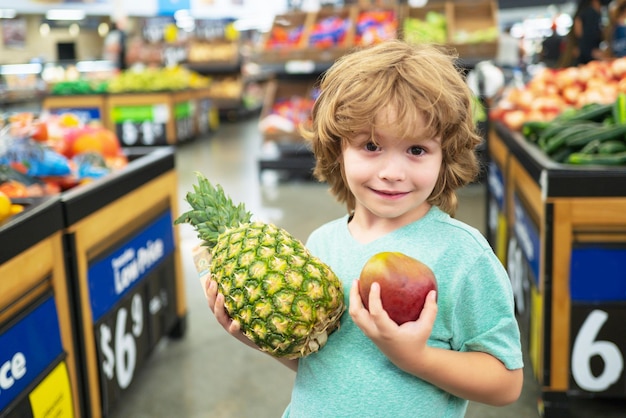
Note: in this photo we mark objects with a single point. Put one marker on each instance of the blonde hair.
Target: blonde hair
(416, 80)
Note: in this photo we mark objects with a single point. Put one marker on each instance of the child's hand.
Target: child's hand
(216, 304)
(401, 343)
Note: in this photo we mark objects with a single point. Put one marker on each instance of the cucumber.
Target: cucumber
(533, 128)
(591, 147)
(562, 154)
(564, 136)
(619, 109)
(556, 128)
(602, 134)
(612, 146)
(593, 112)
(597, 159)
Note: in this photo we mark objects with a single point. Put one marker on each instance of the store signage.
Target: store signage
(598, 347)
(27, 349)
(523, 258)
(141, 124)
(184, 118)
(132, 293)
(495, 182)
(116, 274)
(84, 114)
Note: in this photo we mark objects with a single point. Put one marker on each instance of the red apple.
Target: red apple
(404, 283)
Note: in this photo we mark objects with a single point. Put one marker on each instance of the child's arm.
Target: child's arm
(475, 376)
(216, 303)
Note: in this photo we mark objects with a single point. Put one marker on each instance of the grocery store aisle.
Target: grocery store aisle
(207, 374)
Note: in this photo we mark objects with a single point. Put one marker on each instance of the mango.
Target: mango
(404, 283)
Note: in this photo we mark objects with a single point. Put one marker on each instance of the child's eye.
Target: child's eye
(370, 146)
(416, 150)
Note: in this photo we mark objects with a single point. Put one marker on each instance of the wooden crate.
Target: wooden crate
(421, 13)
(468, 18)
(277, 91)
(275, 52)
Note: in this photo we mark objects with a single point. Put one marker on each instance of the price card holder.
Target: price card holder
(151, 119)
(34, 379)
(121, 240)
(130, 294)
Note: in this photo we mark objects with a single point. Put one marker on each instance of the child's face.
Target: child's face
(391, 178)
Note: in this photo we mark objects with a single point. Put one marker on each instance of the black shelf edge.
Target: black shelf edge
(85, 200)
(563, 180)
(41, 218)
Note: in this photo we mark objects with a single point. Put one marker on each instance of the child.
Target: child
(393, 135)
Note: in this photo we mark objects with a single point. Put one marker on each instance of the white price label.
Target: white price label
(517, 271)
(300, 67)
(120, 354)
(587, 346)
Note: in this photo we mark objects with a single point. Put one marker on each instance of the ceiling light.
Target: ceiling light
(44, 29)
(65, 14)
(7, 13)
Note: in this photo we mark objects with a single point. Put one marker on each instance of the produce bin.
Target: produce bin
(151, 119)
(207, 118)
(566, 256)
(38, 362)
(127, 271)
(88, 108)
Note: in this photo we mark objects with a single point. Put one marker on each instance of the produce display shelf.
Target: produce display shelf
(104, 257)
(38, 342)
(564, 180)
(126, 269)
(40, 218)
(146, 163)
(560, 230)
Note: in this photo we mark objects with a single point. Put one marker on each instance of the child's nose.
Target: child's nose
(392, 169)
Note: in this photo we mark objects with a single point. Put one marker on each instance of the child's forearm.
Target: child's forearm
(475, 376)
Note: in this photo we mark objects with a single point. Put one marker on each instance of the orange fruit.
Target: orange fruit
(5, 206)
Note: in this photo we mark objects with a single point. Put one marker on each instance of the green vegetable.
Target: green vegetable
(591, 147)
(597, 159)
(612, 147)
(619, 109)
(593, 112)
(602, 134)
(564, 137)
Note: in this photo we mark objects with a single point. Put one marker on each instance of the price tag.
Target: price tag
(132, 295)
(141, 133)
(122, 343)
(300, 67)
(184, 116)
(598, 346)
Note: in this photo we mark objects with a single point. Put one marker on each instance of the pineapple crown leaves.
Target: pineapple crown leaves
(212, 211)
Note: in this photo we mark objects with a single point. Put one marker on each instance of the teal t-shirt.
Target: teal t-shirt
(350, 377)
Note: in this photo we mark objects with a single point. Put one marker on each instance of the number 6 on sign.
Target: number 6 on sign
(585, 347)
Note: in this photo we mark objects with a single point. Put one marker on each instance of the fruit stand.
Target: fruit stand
(300, 46)
(89, 285)
(560, 229)
(89, 107)
(126, 271)
(38, 343)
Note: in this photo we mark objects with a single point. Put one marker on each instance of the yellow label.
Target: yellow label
(536, 330)
(53, 396)
(501, 239)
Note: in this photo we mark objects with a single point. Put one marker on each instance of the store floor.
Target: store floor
(208, 374)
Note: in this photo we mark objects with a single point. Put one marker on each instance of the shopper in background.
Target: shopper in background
(394, 137)
(115, 46)
(552, 48)
(616, 31)
(587, 32)
(510, 51)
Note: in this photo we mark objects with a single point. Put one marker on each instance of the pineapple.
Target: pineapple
(286, 300)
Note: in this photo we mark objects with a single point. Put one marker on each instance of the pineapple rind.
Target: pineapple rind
(285, 300)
